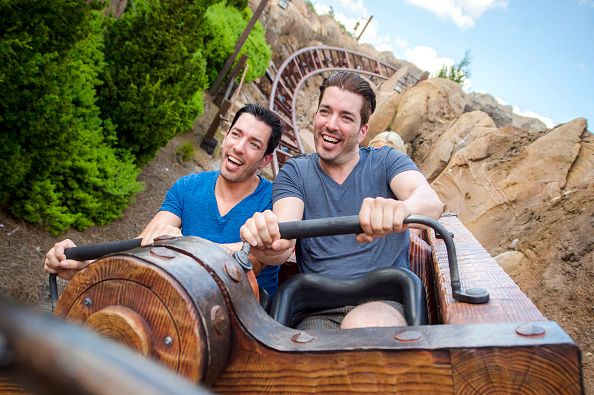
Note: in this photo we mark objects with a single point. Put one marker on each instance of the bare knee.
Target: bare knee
(373, 314)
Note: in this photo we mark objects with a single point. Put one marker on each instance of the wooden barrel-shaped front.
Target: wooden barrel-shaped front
(162, 301)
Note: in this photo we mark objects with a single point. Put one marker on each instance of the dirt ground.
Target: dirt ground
(557, 239)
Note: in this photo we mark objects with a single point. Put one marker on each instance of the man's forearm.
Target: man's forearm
(425, 201)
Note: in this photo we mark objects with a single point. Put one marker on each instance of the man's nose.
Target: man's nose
(240, 145)
(332, 122)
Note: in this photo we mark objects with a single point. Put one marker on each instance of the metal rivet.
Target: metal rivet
(302, 337)
(168, 341)
(88, 301)
(408, 336)
(530, 330)
(233, 271)
(164, 238)
(218, 319)
(162, 252)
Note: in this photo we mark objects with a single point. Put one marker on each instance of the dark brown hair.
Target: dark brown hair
(352, 82)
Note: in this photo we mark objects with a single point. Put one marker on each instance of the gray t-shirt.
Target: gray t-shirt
(341, 256)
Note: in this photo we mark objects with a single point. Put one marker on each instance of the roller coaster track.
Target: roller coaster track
(310, 61)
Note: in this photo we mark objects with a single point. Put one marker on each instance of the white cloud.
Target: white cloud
(463, 13)
(426, 58)
(381, 42)
(586, 2)
(370, 36)
(321, 9)
(355, 6)
(581, 67)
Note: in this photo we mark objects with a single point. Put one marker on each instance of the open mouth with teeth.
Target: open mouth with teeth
(330, 140)
(234, 161)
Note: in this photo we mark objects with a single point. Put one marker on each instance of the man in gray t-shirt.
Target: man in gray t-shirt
(382, 186)
(341, 256)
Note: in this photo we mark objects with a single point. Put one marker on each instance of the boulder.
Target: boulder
(501, 174)
(380, 120)
(461, 132)
(501, 114)
(521, 121)
(581, 173)
(425, 112)
(511, 261)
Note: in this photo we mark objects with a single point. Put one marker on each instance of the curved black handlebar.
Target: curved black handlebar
(350, 224)
(296, 230)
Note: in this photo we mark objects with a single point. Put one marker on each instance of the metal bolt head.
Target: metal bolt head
(217, 315)
(88, 301)
(233, 271)
(168, 341)
(162, 252)
(530, 330)
(408, 336)
(302, 337)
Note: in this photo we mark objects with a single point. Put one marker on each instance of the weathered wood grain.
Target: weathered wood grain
(477, 269)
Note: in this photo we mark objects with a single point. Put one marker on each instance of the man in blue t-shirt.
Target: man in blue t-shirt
(213, 205)
(382, 185)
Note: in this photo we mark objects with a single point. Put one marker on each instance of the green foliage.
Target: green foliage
(86, 98)
(224, 25)
(57, 164)
(310, 6)
(457, 72)
(185, 151)
(156, 73)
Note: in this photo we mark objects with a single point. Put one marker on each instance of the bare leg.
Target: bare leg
(373, 314)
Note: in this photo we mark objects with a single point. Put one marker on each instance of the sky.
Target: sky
(537, 56)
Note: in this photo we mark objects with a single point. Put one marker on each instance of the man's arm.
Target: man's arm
(55, 260)
(381, 216)
(262, 231)
(412, 188)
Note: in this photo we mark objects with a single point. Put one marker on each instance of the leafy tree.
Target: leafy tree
(156, 73)
(57, 164)
(224, 27)
(457, 72)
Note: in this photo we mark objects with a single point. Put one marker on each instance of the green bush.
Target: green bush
(224, 25)
(57, 166)
(457, 72)
(156, 73)
(185, 151)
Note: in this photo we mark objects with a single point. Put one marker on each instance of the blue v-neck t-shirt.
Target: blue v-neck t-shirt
(192, 198)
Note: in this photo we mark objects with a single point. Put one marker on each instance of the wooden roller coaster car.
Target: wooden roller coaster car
(188, 304)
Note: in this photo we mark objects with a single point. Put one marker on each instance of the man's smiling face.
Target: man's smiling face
(337, 126)
(243, 149)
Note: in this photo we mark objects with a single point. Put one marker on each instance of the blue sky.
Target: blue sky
(537, 56)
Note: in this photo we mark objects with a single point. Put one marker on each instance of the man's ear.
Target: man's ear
(363, 132)
(265, 161)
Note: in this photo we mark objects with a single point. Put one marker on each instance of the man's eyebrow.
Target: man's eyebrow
(257, 139)
(342, 112)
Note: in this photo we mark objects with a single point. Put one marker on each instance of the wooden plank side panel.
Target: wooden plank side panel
(255, 369)
(477, 269)
(530, 370)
